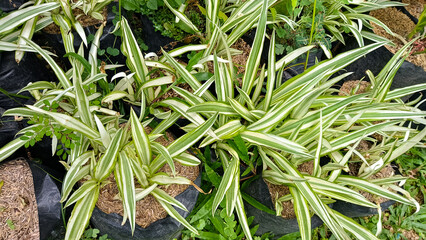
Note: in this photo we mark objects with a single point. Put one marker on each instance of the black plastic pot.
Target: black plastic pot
(352, 210)
(106, 40)
(153, 39)
(269, 222)
(14, 76)
(163, 229)
(47, 196)
(10, 5)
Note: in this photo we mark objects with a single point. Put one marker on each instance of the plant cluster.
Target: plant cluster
(254, 123)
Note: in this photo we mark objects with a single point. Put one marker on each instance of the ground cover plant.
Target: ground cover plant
(254, 123)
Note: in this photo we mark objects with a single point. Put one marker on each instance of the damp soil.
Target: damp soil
(148, 210)
(18, 205)
(401, 24)
(85, 21)
(278, 191)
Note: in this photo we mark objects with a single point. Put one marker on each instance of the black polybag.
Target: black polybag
(8, 128)
(353, 210)
(163, 229)
(269, 222)
(14, 76)
(408, 74)
(107, 39)
(152, 38)
(47, 196)
(11, 5)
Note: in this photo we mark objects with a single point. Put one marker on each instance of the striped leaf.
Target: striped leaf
(124, 179)
(11, 147)
(183, 143)
(107, 162)
(19, 17)
(227, 180)
(82, 191)
(75, 173)
(69, 123)
(275, 142)
(174, 214)
(143, 193)
(65, 82)
(303, 215)
(81, 214)
(141, 141)
(373, 189)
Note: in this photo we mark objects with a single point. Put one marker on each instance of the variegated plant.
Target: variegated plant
(101, 144)
(296, 121)
(36, 15)
(242, 18)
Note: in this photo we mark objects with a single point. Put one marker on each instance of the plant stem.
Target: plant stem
(312, 32)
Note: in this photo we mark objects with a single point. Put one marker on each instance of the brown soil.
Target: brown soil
(239, 60)
(400, 24)
(148, 210)
(18, 204)
(85, 20)
(415, 7)
(385, 172)
(349, 86)
(278, 191)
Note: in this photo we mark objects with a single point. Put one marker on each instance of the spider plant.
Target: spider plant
(281, 125)
(34, 16)
(97, 144)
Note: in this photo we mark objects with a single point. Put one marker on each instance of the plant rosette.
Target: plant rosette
(285, 124)
(29, 201)
(152, 220)
(108, 43)
(272, 197)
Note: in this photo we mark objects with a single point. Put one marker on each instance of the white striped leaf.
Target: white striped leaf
(81, 214)
(125, 183)
(107, 162)
(141, 141)
(275, 142)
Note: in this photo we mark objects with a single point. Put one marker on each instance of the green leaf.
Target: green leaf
(106, 164)
(81, 214)
(124, 178)
(19, 17)
(142, 143)
(275, 142)
(227, 179)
